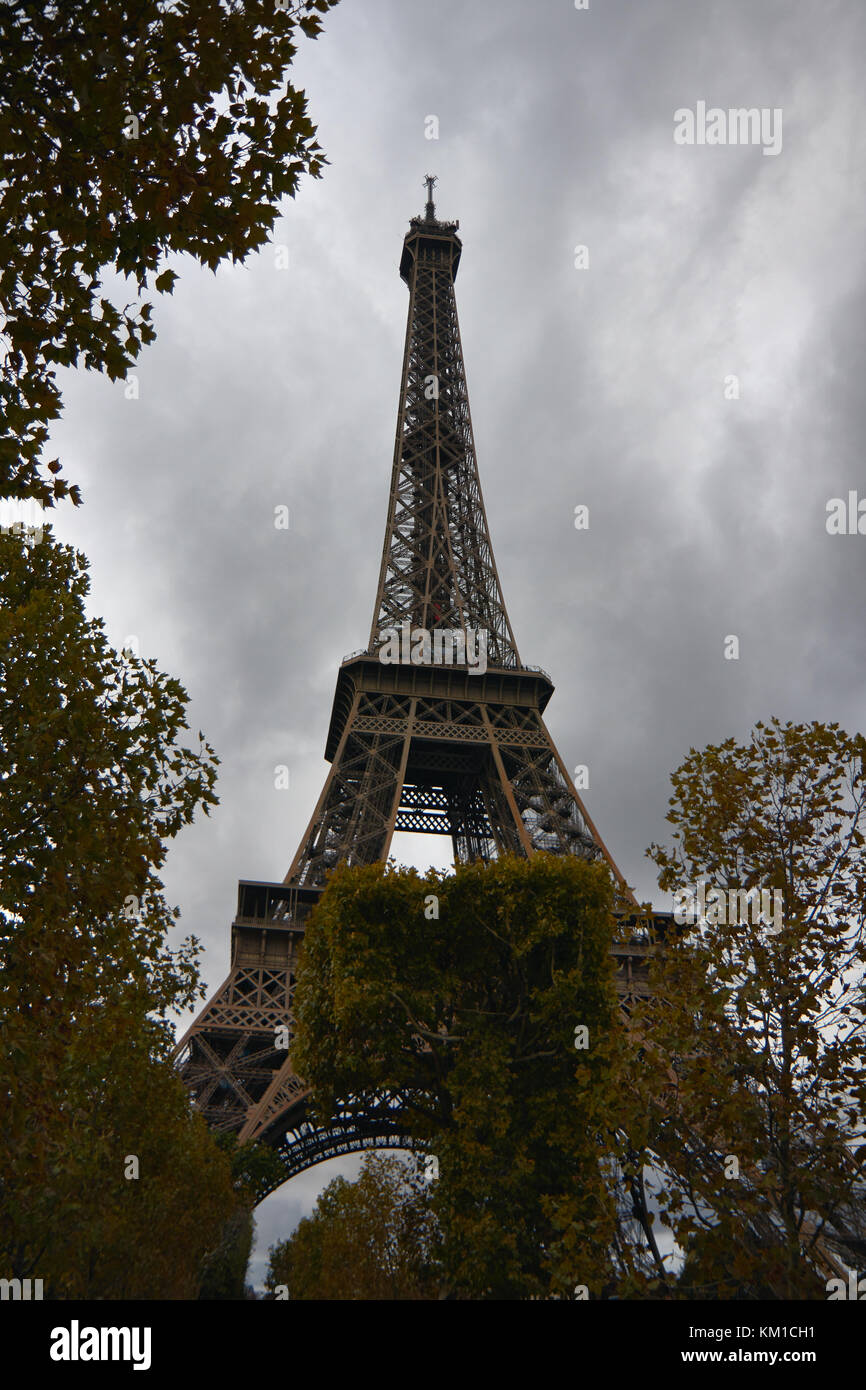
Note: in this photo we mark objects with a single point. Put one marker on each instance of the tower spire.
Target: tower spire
(437, 566)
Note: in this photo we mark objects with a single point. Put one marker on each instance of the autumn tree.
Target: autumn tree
(486, 1000)
(95, 781)
(757, 1012)
(129, 132)
(375, 1238)
(256, 1169)
(138, 1198)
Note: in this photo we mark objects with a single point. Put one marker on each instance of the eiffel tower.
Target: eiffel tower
(452, 746)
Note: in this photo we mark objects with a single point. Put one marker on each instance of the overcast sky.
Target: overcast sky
(603, 386)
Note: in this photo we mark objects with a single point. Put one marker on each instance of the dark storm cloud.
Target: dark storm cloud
(602, 386)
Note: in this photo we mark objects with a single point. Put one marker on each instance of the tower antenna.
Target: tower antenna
(430, 212)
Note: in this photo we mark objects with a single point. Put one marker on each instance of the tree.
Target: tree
(254, 1167)
(486, 1000)
(94, 782)
(375, 1238)
(129, 132)
(757, 1016)
(138, 1196)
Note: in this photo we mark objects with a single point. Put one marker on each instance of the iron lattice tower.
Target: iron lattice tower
(415, 745)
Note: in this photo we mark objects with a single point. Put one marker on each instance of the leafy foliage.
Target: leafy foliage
(256, 1170)
(758, 1024)
(129, 132)
(376, 1238)
(76, 1219)
(471, 1018)
(94, 783)
(224, 1269)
